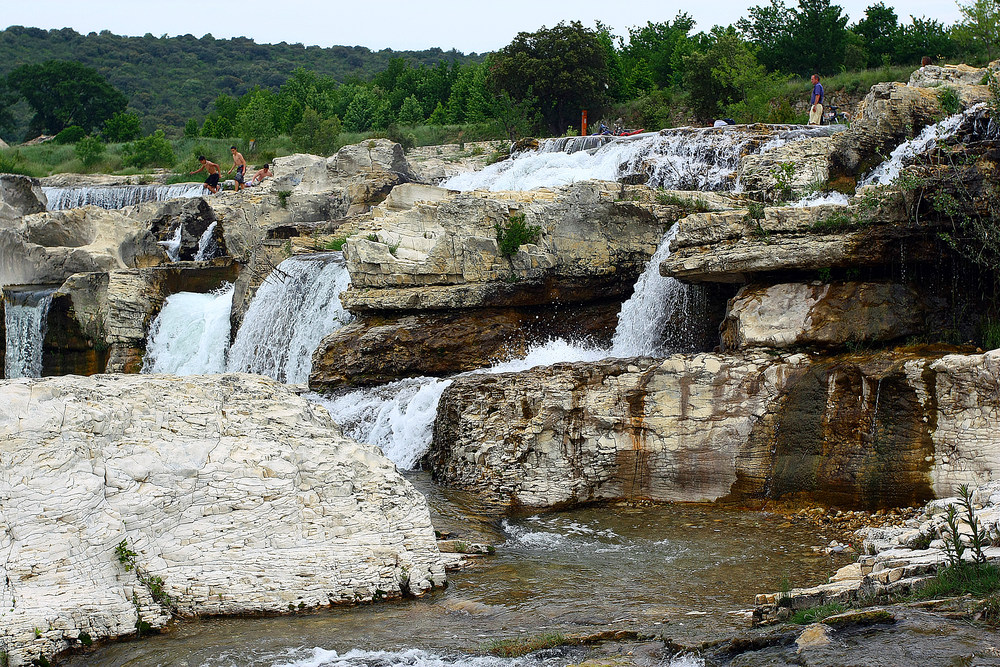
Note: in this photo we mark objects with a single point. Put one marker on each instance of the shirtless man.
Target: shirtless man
(261, 175)
(240, 165)
(212, 182)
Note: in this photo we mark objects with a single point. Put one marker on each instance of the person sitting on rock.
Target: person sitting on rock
(212, 182)
(261, 174)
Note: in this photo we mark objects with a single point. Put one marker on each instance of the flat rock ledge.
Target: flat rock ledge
(239, 495)
(898, 560)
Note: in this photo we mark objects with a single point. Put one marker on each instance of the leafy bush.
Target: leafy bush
(122, 127)
(90, 150)
(153, 150)
(949, 100)
(516, 233)
(191, 129)
(70, 135)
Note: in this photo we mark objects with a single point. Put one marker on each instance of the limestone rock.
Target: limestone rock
(19, 196)
(759, 173)
(242, 497)
(371, 156)
(789, 315)
(377, 350)
(589, 245)
(49, 247)
(666, 430)
(932, 76)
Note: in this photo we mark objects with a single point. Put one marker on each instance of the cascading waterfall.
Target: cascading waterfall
(118, 196)
(656, 319)
(173, 246)
(679, 159)
(207, 247)
(190, 335)
(26, 314)
(889, 171)
(293, 309)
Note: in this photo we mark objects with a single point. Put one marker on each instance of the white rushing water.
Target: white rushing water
(293, 309)
(207, 247)
(26, 314)
(822, 199)
(190, 336)
(319, 657)
(117, 196)
(889, 171)
(680, 159)
(173, 245)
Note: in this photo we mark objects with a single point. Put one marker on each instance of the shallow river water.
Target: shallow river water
(687, 572)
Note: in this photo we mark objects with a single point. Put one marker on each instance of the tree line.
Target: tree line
(537, 84)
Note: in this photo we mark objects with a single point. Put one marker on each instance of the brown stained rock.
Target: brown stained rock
(383, 349)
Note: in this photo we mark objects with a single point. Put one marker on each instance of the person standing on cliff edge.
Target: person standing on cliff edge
(212, 182)
(816, 110)
(240, 165)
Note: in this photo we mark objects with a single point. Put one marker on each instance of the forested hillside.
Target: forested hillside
(171, 79)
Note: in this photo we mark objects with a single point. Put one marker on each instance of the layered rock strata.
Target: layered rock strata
(881, 429)
(128, 500)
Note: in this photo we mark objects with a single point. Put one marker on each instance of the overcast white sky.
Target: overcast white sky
(467, 25)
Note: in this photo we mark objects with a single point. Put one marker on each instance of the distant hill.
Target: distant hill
(171, 79)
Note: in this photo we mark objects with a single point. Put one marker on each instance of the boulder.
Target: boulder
(816, 314)
(764, 175)
(378, 349)
(932, 76)
(19, 196)
(445, 253)
(371, 156)
(868, 430)
(130, 500)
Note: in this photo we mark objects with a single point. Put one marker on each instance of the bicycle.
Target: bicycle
(834, 117)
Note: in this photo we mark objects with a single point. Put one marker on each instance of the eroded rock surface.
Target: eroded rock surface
(239, 495)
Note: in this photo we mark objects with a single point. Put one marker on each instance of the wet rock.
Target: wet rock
(241, 496)
(787, 172)
(813, 636)
(790, 315)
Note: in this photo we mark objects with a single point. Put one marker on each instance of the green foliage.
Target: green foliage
(283, 196)
(65, 93)
(515, 648)
(316, 135)
(648, 57)
(991, 334)
(255, 120)
(949, 100)
(153, 150)
(981, 25)
(336, 244)
(783, 176)
(816, 614)
(977, 579)
(85, 639)
(90, 150)
(191, 129)
(515, 233)
(811, 38)
(12, 162)
(565, 67)
(688, 204)
(126, 556)
(70, 135)
(122, 127)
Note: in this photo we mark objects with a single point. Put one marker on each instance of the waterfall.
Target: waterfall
(657, 320)
(821, 199)
(26, 314)
(117, 196)
(207, 247)
(173, 246)
(678, 159)
(888, 171)
(293, 309)
(191, 334)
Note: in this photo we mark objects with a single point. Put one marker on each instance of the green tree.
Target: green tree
(925, 37)
(316, 135)
(655, 43)
(565, 67)
(90, 150)
(981, 25)
(369, 110)
(153, 150)
(769, 28)
(411, 112)
(256, 119)
(811, 38)
(880, 31)
(122, 127)
(65, 93)
(191, 128)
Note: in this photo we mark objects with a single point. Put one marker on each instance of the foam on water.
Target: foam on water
(26, 314)
(889, 171)
(173, 245)
(293, 309)
(190, 335)
(319, 657)
(207, 247)
(118, 196)
(822, 199)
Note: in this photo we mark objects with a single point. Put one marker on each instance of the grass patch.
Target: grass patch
(515, 648)
(335, 244)
(688, 204)
(977, 579)
(816, 614)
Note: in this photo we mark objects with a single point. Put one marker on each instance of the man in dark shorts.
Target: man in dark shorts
(240, 165)
(212, 182)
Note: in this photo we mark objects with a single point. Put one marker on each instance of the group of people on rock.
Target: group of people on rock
(239, 164)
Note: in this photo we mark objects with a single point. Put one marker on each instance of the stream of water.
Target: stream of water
(26, 312)
(116, 196)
